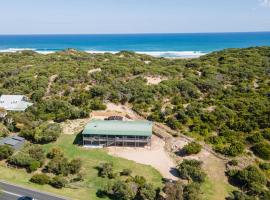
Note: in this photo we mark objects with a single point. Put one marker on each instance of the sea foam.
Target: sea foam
(165, 54)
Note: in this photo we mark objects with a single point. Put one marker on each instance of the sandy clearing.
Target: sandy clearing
(155, 157)
(51, 80)
(154, 80)
(94, 70)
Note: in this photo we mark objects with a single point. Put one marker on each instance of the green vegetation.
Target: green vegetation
(5, 151)
(192, 148)
(221, 98)
(251, 181)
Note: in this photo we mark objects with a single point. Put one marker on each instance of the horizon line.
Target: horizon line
(147, 33)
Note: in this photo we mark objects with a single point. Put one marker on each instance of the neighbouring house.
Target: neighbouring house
(14, 102)
(15, 142)
(99, 133)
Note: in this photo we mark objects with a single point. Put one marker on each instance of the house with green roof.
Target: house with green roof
(103, 133)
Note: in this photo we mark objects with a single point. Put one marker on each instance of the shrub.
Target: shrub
(47, 132)
(34, 165)
(58, 182)
(20, 159)
(235, 149)
(191, 170)
(264, 166)
(147, 192)
(58, 165)
(126, 172)
(262, 150)
(192, 148)
(75, 166)
(121, 190)
(55, 152)
(192, 192)
(255, 138)
(233, 162)
(266, 133)
(106, 170)
(5, 151)
(40, 179)
(173, 191)
(250, 178)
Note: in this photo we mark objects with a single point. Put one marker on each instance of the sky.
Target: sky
(132, 16)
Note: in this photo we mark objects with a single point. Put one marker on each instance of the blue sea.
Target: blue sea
(161, 45)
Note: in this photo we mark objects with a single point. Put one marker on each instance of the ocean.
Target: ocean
(185, 45)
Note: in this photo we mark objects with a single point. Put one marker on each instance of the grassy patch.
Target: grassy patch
(211, 192)
(91, 159)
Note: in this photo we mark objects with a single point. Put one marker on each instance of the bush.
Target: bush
(5, 151)
(40, 179)
(75, 166)
(47, 132)
(34, 165)
(266, 133)
(264, 166)
(173, 191)
(262, 150)
(255, 138)
(235, 149)
(55, 152)
(20, 159)
(233, 162)
(58, 182)
(126, 172)
(191, 170)
(192, 148)
(250, 179)
(58, 165)
(106, 170)
(147, 192)
(192, 192)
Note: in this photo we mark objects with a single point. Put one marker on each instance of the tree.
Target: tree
(5, 151)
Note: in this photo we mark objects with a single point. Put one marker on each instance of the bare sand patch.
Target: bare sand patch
(91, 71)
(156, 156)
(75, 126)
(154, 80)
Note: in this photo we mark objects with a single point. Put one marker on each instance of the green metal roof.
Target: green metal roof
(117, 127)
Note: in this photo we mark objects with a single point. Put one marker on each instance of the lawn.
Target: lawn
(91, 159)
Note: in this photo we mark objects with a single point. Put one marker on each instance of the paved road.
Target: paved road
(14, 192)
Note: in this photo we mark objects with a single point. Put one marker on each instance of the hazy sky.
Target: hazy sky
(133, 16)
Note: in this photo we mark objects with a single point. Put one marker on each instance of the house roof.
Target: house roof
(14, 102)
(116, 127)
(16, 142)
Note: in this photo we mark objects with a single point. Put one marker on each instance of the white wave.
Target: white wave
(174, 54)
(165, 54)
(13, 50)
